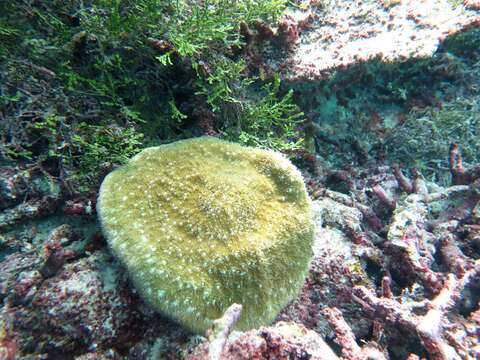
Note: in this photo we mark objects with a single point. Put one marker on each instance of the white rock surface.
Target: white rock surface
(344, 32)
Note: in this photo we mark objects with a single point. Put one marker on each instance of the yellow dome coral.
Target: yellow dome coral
(203, 223)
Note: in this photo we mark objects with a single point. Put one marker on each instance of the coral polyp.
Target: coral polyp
(201, 224)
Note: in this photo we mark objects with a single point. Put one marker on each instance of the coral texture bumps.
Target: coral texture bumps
(201, 224)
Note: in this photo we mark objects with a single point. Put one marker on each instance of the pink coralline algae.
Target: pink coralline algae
(59, 304)
(282, 341)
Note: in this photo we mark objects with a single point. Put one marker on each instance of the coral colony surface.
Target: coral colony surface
(240, 180)
(201, 224)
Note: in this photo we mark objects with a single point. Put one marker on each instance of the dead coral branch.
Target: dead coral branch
(460, 175)
(345, 338)
(404, 182)
(433, 327)
(221, 330)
